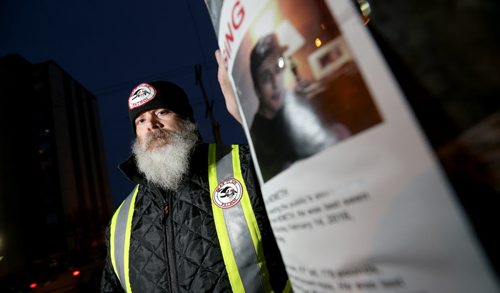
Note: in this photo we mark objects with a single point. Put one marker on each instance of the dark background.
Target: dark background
(443, 53)
(110, 46)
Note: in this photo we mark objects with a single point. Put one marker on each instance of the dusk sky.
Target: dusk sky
(110, 46)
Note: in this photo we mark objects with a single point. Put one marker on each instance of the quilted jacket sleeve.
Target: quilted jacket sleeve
(109, 281)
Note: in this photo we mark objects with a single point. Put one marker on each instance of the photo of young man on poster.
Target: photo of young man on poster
(288, 79)
(278, 139)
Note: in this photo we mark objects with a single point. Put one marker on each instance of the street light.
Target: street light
(1, 241)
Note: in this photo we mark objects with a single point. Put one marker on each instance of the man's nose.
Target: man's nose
(154, 124)
(274, 81)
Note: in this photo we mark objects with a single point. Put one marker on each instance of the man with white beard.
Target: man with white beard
(162, 155)
(196, 220)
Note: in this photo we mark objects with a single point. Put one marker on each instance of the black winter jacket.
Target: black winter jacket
(174, 245)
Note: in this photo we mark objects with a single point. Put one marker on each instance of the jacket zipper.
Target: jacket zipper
(170, 248)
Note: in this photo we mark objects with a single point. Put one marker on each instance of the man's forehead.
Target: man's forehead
(153, 111)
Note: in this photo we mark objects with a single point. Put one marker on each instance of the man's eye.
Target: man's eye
(162, 112)
(139, 121)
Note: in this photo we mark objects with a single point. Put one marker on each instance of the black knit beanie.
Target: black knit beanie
(158, 94)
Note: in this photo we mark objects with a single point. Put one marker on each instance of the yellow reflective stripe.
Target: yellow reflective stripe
(288, 287)
(128, 231)
(253, 227)
(112, 240)
(227, 252)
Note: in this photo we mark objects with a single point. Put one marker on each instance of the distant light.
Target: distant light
(76, 273)
(33, 285)
(317, 42)
(365, 9)
(1, 257)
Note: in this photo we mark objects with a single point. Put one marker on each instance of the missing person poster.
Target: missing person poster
(356, 198)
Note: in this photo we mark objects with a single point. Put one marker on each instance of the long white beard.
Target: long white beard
(166, 165)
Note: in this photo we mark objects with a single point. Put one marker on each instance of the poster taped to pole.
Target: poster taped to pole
(356, 198)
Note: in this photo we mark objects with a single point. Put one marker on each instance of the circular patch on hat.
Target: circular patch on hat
(140, 95)
(228, 193)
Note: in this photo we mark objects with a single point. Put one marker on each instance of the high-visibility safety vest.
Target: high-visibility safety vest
(235, 222)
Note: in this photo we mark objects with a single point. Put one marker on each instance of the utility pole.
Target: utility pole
(209, 105)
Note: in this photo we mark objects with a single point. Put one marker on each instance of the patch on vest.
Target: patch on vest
(140, 95)
(228, 193)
